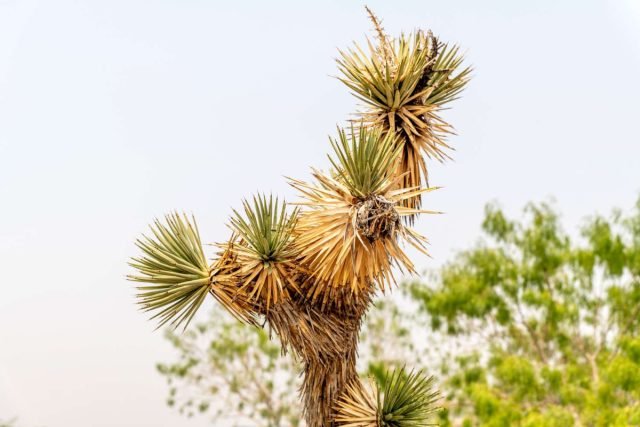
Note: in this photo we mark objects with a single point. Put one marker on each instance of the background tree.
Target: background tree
(312, 273)
(234, 373)
(551, 322)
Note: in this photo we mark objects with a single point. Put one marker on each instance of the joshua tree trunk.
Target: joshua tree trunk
(324, 382)
(326, 340)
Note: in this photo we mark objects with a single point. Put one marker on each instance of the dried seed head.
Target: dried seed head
(431, 45)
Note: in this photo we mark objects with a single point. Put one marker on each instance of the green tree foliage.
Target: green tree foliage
(550, 321)
(237, 375)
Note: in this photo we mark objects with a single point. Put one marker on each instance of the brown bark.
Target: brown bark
(323, 384)
(326, 341)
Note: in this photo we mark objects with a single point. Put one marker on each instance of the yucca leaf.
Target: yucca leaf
(174, 263)
(403, 400)
(447, 79)
(265, 252)
(407, 399)
(357, 407)
(265, 226)
(364, 160)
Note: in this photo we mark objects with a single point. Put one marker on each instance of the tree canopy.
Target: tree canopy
(551, 321)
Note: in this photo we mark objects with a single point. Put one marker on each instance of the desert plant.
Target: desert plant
(310, 273)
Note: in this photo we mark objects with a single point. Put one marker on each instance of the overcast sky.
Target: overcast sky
(114, 112)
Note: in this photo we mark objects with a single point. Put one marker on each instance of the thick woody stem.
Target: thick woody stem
(324, 382)
(327, 343)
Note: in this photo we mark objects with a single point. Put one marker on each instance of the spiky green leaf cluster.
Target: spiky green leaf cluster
(174, 265)
(265, 227)
(446, 83)
(407, 399)
(404, 84)
(364, 160)
(387, 82)
(375, 80)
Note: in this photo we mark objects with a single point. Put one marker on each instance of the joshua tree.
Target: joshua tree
(309, 273)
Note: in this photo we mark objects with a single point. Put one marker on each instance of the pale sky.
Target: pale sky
(114, 112)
